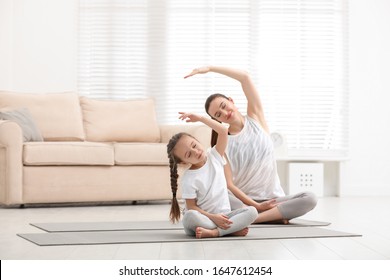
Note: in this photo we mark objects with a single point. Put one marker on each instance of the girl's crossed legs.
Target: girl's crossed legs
(197, 224)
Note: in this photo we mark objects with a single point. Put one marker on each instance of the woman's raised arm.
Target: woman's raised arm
(254, 108)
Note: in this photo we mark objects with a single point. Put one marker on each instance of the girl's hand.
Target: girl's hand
(266, 205)
(189, 117)
(221, 220)
(200, 70)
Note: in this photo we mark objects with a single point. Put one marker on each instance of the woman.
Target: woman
(251, 172)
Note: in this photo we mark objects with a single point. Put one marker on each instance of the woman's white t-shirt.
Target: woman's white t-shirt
(251, 157)
(208, 184)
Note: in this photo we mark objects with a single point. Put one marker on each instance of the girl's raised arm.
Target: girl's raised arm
(222, 130)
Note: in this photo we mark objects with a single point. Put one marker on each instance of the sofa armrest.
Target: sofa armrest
(11, 166)
(201, 132)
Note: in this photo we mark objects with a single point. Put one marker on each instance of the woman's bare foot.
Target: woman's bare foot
(206, 233)
(242, 232)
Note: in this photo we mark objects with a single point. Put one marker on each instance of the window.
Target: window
(296, 51)
(113, 52)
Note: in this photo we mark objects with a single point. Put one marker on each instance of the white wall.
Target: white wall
(38, 53)
(40, 44)
(6, 44)
(368, 171)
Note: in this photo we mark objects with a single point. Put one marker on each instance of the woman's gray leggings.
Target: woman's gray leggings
(291, 206)
(241, 218)
(296, 205)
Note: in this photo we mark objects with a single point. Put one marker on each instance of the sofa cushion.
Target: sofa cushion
(68, 153)
(57, 115)
(141, 154)
(120, 121)
(23, 118)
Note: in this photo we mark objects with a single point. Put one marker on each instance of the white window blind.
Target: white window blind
(296, 51)
(202, 33)
(113, 50)
(302, 73)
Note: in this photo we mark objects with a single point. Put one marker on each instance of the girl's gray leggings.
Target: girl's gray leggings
(292, 206)
(241, 218)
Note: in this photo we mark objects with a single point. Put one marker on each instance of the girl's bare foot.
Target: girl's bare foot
(242, 232)
(206, 233)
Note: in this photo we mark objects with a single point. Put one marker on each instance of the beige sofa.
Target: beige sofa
(92, 150)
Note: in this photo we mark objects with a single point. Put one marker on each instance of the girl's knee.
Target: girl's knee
(190, 221)
(189, 217)
(252, 212)
(191, 213)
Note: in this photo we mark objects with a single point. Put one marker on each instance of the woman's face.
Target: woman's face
(222, 109)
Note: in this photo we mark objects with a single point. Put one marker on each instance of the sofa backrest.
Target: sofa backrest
(120, 120)
(57, 115)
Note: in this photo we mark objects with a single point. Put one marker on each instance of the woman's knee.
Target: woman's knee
(298, 206)
(310, 200)
(307, 199)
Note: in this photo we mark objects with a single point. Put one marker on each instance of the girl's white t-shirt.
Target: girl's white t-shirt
(251, 157)
(208, 184)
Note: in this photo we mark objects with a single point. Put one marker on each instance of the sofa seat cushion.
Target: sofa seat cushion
(68, 153)
(57, 115)
(141, 154)
(120, 120)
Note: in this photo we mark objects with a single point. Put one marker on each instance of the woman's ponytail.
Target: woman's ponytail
(214, 138)
(214, 134)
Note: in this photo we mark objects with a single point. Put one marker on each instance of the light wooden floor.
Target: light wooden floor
(364, 215)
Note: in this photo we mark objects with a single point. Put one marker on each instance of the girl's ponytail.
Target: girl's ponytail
(174, 215)
(173, 161)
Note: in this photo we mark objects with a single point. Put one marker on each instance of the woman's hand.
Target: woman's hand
(189, 117)
(200, 70)
(221, 220)
(266, 205)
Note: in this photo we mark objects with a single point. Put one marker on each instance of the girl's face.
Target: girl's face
(189, 150)
(222, 110)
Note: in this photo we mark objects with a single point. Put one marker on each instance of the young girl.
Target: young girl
(207, 211)
(251, 170)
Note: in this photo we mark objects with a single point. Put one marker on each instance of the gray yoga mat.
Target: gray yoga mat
(149, 225)
(176, 235)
